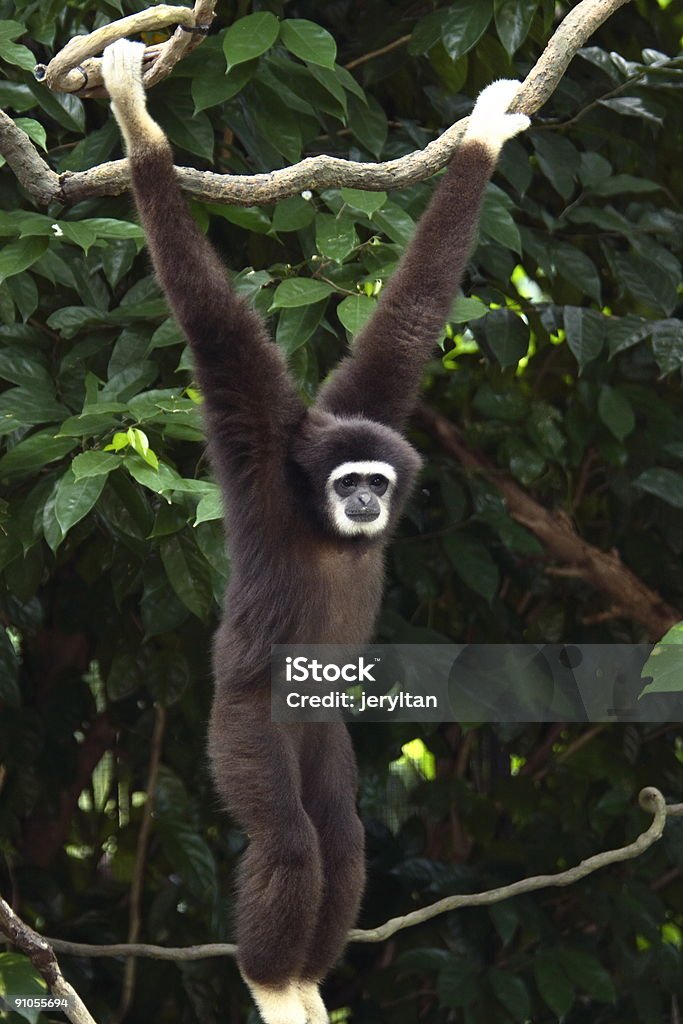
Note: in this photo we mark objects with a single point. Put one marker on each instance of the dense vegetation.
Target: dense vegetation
(562, 365)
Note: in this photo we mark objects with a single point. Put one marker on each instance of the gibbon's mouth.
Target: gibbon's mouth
(363, 517)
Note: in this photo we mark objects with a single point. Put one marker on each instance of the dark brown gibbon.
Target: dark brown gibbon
(311, 496)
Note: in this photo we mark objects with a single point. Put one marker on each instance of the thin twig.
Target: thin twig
(650, 799)
(357, 61)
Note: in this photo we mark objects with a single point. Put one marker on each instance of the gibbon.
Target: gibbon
(311, 495)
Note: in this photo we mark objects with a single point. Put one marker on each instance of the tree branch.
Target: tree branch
(650, 799)
(42, 956)
(602, 570)
(317, 172)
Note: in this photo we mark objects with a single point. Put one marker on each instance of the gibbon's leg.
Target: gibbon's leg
(329, 797)
(279, 883)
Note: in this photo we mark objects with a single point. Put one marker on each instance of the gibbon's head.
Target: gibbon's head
(360, 471)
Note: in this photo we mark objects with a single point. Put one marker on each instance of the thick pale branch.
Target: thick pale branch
(650, 799)
(326, 171)
(602, 570)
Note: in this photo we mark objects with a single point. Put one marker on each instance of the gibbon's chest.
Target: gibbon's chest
(348, 581)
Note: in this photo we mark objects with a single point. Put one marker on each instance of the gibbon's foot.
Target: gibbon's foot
(313, 1003)
(122, 71)
(489, 121)
(283, 1005)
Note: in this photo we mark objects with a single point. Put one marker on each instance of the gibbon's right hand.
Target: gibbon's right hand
(122, 71)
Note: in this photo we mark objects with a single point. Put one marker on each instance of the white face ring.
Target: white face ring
(335, 504)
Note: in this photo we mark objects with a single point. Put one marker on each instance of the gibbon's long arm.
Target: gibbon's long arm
(380, 379)
(248, 393)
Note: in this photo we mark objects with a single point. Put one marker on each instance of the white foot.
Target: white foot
(489, 121)
(313, 1003)
(279, 1005)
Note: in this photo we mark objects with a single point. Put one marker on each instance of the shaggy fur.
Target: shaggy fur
(294, 579)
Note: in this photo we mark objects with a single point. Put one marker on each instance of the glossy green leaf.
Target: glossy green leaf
(296, 324)
(474, 565)
(666, 484)
(299, 291)
(249, 37)
(511, 992)
(75, 498)
(585, 334)
(188, 573)
(513, 21)
(464, 26)
(20, 255)
(94, 463)
(355, 311)
(553, 984)
(366, 202)
(616, 412)
(308, 41)
(335, 237)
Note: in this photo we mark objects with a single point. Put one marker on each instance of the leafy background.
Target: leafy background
(562, 365)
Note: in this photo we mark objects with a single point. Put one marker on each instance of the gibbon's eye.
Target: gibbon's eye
(378, 483)
(349, 481)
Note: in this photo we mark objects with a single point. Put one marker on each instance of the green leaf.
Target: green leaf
(355, 311)
(209, 507)
(457, 983)
(558, 159)
(33, 452)
(427, 33)
(647, 282)
(15, 53)
(588, 974)
(368, 124)
(188, 129)
(667, 345)
(513, 21)
(585, 334)
(463, 310)
(335, 236)
(215, 85)
(250, 37)
(616, 412)
(190, 857)
(464, 26)
(293, 214)
(33, 128)
(507, 336)
(75, 498)
(20, 255)
(474, 565)
(296, 325)
(666, 484)
(309, 42)
(188, 573)
(299, 291)
(553, 984)
(497, 223)
(366, 202)
(575, 267)
(94, 463)
(512, 993)
(18, 977)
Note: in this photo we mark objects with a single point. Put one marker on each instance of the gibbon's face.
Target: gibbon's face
(358, 496)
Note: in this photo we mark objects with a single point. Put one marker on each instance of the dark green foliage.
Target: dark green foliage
(562, 364)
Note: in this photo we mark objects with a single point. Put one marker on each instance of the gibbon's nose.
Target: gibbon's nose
(364, 497)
